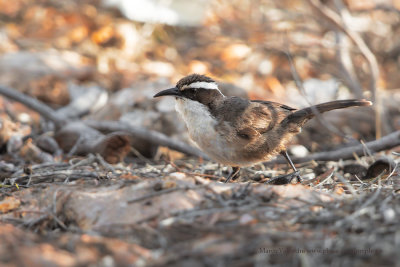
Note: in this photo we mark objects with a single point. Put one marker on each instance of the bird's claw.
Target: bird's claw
(285, 178)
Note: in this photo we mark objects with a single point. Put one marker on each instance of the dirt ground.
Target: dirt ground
(95, 172)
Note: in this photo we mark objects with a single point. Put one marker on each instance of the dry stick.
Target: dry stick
(335, 20)
(387, 142)
(347, 70)
(343, 54)
(148, 135)
(300, 87)
(34, 104)
(380, 113)
(55, 174)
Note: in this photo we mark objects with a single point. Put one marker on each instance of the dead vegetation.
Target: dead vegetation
(93, 171)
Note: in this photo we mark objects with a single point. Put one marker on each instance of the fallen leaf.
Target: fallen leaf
(9, 203)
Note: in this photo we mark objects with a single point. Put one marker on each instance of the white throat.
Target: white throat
(200, 124)
(196, 116)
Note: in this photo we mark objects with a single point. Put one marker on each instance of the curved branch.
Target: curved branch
(387, 142)
(112, 126)
(34, 104)
(149, 135)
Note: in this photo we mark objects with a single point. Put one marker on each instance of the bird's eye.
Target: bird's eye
(244, 136)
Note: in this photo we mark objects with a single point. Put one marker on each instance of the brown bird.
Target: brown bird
(240, 132)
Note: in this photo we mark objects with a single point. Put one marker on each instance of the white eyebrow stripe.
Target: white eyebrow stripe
(203, 85)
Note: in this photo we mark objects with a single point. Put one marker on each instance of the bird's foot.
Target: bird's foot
(233, 175)
(285, 179)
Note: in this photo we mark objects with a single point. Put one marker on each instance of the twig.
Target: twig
(29, 180)
(359, 211)
(59, 120)
(322, 178)
(348, 185)
(361, 182)
(386, 142)
(139, 155)
(34, 104)
(148, 135)
(74, 148)
(366, 150)
(335, 20)
(112, 126)
(90, 99)
(50, 165)
(300, 87)
(105, 164)
(343, 55)
(43, 176)
(75, 162)
(214, 177)
(47, 214)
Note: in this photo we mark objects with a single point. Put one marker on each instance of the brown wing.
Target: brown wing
(251, 119)
(270, 103)
(262, 116)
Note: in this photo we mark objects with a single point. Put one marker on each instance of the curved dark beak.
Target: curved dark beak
(171, 91)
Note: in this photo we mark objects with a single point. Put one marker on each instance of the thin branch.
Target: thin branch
(343, 54)
(300, 87)
(111, 126)
(347, 71)
(335, 20)
(148, 135)
(387, 142)
(54, 174)
(34, 104)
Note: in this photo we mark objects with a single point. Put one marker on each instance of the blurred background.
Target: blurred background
(123, 51)
(97, 65)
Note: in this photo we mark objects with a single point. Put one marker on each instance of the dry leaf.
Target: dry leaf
(9, 203)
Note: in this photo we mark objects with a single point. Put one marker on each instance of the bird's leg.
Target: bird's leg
(286, 156)
(234, 173)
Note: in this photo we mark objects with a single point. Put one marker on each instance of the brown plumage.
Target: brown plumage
(240, 132)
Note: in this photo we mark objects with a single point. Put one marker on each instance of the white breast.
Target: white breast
(198, 120)
(201, 127)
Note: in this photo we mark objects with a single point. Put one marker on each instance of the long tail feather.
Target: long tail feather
(303, 115)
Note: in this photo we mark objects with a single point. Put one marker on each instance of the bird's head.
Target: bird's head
(194, 87)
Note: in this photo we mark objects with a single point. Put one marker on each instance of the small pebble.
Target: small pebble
(298, 151)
